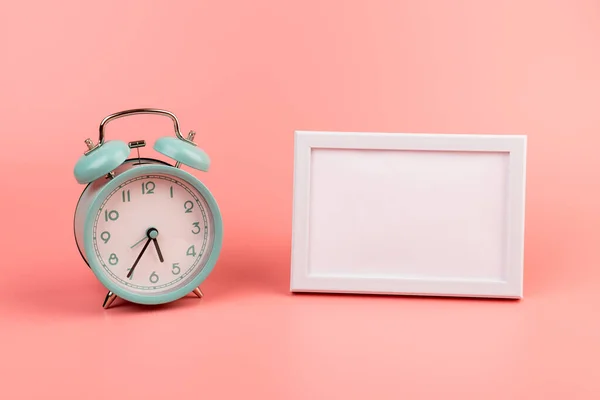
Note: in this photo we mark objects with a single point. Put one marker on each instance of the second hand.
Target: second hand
(140, 241)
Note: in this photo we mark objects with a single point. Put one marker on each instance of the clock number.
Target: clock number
(112, 215)
(131, 277)
(105, 236)
(113, 259)
(176, 270)
(153, 277)
(191, 251)
(148, 187)
(196, 225)
(171, 191)
(126, 196)
(188, 205)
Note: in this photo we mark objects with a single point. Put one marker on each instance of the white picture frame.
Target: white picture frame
(408, 214)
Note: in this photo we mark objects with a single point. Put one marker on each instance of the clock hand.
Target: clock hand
(139, 241)
(150, 233)
(160, 256)
(138, 258)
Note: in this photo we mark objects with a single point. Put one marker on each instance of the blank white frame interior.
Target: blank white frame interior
(409, 214)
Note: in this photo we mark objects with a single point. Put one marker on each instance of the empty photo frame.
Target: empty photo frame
(408, 214)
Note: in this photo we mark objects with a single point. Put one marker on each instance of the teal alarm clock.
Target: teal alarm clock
(150, 231)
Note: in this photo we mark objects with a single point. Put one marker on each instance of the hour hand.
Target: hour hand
(160, 256)
(153, 234)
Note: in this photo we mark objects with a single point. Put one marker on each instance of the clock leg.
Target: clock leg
(198, 292)
(108, 300)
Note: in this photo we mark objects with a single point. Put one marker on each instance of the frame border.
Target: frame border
(514, 145)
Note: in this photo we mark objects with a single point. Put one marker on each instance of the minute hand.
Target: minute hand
(138, 258)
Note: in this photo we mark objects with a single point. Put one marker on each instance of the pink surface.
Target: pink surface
(244, 75)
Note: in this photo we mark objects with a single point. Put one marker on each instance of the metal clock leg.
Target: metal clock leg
(198, 292)
(108, 300)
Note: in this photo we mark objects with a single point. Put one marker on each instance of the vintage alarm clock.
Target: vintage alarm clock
(150, 231)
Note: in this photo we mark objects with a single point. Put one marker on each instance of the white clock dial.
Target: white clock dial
(181, 222)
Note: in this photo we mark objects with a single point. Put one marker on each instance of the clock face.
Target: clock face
(152, 234)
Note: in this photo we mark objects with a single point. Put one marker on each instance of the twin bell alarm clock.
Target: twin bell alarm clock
(150, 231)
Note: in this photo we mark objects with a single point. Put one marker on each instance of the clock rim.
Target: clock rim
(153, 299)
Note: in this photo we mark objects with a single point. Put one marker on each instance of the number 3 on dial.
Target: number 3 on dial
(196, 229)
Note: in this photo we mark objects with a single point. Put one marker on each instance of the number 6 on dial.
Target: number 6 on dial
(150, 232)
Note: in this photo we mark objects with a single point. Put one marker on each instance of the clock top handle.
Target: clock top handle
(103, 157)
(136, 111)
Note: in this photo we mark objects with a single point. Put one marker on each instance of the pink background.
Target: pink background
(245, 75)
